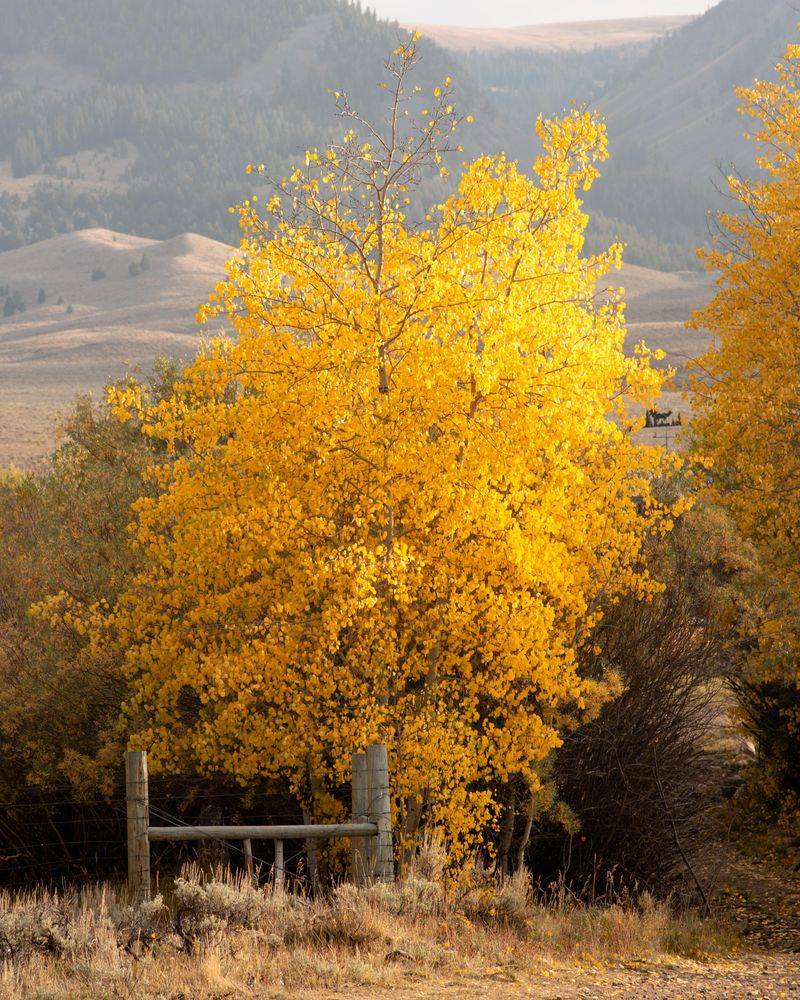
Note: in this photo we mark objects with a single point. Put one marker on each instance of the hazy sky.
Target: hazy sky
(507, 12)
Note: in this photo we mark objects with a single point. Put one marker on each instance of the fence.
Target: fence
(370, 830)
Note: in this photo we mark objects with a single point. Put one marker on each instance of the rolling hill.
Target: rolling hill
(140, 115)
(139, 120)
(671, 113)
(673, 125)
(48, 354)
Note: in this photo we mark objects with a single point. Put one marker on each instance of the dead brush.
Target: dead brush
(498, 900)
(348, 918)
(74, 925)
(206, 907)
(421, 893)
(219, 935)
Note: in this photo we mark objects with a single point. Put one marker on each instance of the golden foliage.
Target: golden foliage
(747, 387)
(398, 498)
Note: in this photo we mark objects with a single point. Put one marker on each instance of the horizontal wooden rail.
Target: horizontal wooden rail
(370, 829)
(299, 832)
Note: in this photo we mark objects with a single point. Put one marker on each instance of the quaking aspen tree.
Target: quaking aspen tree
(398, 498)
(747, 403)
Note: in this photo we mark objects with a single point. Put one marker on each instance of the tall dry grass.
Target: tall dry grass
(221, 936)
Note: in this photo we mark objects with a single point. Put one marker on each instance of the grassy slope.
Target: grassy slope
(245, 81)
(673, 121)
(48, 355)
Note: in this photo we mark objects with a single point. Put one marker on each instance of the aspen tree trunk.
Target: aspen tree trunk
(408, 832)
(506, 830)
(526, 833)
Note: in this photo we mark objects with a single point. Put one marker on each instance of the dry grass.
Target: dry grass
(223, 937)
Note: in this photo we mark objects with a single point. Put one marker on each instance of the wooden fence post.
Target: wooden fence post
(138, 809)
(279, 870)
(311, 857)
(380, 811)
(360, 847)
(247, 847)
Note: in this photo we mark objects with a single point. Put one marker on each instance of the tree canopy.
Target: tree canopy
(747, 399)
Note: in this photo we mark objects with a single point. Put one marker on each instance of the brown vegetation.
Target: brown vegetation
(223, 937)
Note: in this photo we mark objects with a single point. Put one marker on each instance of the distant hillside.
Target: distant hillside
(110, 302)
(673, 122)
(671, 112)
(152, 41)
(140, 115)
(570, 36)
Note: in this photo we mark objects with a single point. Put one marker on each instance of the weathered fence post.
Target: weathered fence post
(247, 847)
(380, 812)
(360, 846)
(138, 809)
(311, 857)
(370, 829)
(279, 870)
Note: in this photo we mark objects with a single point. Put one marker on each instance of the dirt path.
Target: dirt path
(758, 892)
(762, 896)
(761, 977)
